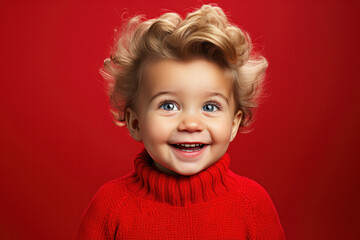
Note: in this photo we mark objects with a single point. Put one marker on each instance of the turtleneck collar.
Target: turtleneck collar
(150, 183)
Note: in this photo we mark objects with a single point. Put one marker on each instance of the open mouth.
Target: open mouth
(189, 147)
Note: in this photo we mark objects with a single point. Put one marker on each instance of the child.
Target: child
(183, 88)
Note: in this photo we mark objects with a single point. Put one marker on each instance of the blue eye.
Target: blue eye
(168, 106)
(210, 107)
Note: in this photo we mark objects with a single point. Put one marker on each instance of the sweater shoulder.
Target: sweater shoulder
(112, 192)
(109, 196)
(97, 220)
(248, 188)
(266, 219)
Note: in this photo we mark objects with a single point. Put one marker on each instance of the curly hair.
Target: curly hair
(206, 33)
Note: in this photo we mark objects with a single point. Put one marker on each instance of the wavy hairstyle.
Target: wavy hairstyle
(206, 33)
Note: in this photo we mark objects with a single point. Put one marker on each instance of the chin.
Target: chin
(188, 172)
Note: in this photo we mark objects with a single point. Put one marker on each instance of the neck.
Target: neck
(163, 169)
(148, 181)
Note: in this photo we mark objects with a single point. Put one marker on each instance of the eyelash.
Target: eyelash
(167, 101)
(217, 105)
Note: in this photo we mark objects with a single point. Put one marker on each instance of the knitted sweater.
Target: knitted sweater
(148, 204)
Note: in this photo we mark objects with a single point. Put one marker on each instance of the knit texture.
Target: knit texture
(148, 204)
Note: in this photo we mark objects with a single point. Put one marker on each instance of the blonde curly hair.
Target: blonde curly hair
(206, 33)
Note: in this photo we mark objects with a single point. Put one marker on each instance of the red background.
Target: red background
(58, 143)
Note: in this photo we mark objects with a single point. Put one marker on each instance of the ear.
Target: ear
(235, 124)
(132, 123)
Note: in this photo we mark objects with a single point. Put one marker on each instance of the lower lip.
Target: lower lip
(189, 156)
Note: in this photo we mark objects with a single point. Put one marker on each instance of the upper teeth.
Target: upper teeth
(189, 145)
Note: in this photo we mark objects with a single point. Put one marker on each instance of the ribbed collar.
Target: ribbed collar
(150, 183)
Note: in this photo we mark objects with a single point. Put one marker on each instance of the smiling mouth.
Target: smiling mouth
(189, 147)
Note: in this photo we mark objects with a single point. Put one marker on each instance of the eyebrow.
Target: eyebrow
(211, 94)
(216, 94)
(159, 94)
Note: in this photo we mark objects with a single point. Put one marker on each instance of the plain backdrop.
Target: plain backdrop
(59, 145)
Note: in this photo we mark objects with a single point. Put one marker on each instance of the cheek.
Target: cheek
(221, 130)
(156, 129)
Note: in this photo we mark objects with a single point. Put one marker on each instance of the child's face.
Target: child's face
(185, 116)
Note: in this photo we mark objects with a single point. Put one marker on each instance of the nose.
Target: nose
(191, 122)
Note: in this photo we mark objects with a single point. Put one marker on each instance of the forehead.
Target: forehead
(190, 77)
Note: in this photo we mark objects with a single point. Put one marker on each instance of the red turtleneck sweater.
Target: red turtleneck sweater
(148, 204)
